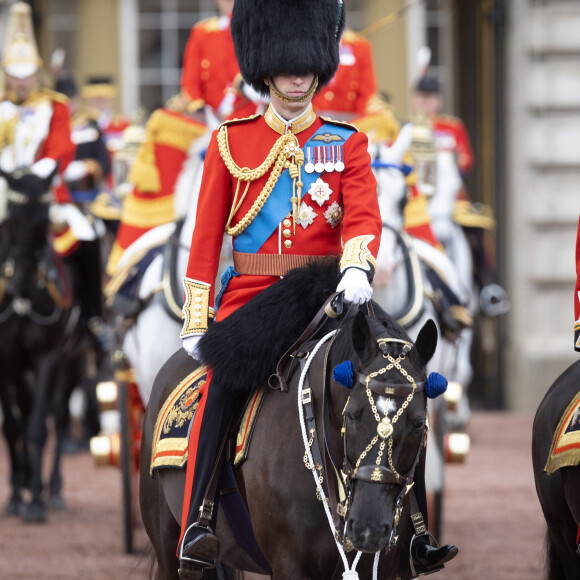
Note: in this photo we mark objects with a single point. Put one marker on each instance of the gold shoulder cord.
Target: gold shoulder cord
(286, 146)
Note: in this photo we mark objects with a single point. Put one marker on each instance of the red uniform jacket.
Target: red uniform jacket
(451, 134)
(577, 294)
(154, 174)
(210, 67)
(354, 82)
(356, 211)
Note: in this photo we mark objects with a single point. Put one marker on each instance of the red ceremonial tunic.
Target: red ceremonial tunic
(159, 162)
(354, 191)
(577, 294)
(210, 67)
(354, 82)
(451, 135)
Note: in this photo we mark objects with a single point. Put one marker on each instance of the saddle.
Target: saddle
(123, 290)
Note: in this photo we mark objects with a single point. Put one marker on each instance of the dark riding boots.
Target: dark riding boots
(200, 547)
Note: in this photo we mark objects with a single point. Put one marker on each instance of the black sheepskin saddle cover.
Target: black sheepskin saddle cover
(244, 349)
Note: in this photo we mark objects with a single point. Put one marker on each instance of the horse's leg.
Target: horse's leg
(37, 434)
(13, 429)
(571, 484)
(67, 381)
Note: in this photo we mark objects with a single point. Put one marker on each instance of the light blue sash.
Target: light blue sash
(279, 205)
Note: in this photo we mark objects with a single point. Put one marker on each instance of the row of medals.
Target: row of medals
(327, 159)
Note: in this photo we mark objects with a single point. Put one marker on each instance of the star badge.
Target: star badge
(306, 215)
(333, 214)
(320, 191)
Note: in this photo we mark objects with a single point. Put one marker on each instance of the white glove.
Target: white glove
(75, 170)
(67, 213)
(356, 286)
(43, 167)
(190, 345)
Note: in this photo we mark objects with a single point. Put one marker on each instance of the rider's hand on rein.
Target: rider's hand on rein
(355, 285)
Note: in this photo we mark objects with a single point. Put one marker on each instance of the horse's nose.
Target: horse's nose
(366, 537)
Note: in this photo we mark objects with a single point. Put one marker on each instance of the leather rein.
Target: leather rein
(340, 481)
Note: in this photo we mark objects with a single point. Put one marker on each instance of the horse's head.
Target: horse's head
(27, 214)
(385, 424)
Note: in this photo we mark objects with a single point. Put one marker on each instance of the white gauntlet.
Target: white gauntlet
(190, 345)
(356, 287)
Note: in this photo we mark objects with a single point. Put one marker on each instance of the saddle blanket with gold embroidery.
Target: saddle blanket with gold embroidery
(171, 433)
(565, 449)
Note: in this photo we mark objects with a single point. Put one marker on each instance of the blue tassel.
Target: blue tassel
(344, 374)
(436, 385)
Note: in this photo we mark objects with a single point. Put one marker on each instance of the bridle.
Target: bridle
(378, 473)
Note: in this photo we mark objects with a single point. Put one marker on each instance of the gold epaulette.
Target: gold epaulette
(339, 123)
(238, 121)
(351, 36)
(453, 118)
(164, 128)
(209, 24)
(54, 96)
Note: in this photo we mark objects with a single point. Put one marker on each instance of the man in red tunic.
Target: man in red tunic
(350, 92)
(287, 186)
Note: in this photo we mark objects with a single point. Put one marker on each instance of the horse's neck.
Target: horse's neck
(189, 179)
(449, 182)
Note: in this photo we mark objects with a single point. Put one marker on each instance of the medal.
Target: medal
(309, 167)
(320, 192)
(339, 165)
(318, 165)
(328, 164)
(385, 428)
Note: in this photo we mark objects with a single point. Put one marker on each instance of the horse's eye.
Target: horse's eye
(420, 424)
(353, 416)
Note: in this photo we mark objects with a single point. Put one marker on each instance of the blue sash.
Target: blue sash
(279, 205)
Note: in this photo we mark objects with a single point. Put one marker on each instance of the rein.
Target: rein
(377, 473)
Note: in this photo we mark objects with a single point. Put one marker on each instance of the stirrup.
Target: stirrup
(414, 573)
(192, 569)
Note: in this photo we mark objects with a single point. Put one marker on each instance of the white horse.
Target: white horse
(155, 335)
(402, 287)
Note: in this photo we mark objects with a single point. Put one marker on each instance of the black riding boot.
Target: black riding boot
(426, 559)
(200, 547)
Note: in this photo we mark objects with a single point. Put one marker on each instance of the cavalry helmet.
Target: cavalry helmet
(20, 56)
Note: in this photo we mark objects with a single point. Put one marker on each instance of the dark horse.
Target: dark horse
(559, 492)
(290, 523)
(42, 341)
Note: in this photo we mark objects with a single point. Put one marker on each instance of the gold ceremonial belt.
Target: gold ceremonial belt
(270, 264)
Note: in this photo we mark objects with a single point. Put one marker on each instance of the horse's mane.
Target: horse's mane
(243, 349)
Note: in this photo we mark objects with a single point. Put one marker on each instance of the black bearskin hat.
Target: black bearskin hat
(295, 37)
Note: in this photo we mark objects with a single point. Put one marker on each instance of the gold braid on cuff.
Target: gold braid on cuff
(357, 254)
(196, 310)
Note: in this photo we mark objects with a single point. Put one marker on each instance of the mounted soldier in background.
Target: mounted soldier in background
(35, 136)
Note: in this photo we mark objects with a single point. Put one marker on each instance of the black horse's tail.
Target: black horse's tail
(553, 565)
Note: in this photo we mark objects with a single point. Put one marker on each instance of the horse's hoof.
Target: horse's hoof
(56, 502)
(33, 513)
(13, 507)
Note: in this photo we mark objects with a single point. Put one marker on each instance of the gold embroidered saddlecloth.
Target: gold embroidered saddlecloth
(170, 437)
(172, 426)
(565, 449)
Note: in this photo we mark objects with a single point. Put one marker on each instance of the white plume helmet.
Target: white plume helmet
(423, 61)
(20, 56)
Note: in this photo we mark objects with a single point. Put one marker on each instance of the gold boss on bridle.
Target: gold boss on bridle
(286, 153)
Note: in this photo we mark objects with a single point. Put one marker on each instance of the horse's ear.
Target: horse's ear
(363, 340)
(426, 341)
